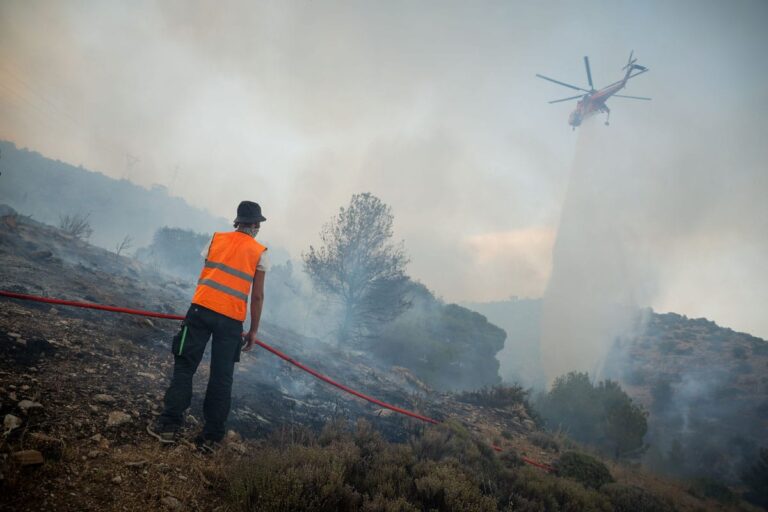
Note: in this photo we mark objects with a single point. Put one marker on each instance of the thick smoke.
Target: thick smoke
(600, 273)
(433, 107)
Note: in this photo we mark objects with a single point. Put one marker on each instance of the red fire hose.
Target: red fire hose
(314, 373)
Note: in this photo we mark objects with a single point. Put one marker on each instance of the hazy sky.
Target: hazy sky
(433, 107)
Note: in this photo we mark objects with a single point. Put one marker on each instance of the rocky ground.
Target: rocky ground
(78, 387)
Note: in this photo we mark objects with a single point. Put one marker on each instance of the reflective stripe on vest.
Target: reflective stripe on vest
(223, 288)
(229, 270)
(226, 278)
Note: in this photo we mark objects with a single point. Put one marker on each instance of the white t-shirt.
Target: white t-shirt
(263, 261)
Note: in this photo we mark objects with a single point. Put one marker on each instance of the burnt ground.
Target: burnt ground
(80, 386)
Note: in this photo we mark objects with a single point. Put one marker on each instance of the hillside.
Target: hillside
(47, 189)
(706, 388)
(79, 386)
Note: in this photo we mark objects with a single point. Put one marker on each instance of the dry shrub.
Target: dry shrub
(77, 225)
(445, 486)
(443, 469)
(310, 478)
(450, 440)
(497, 396)
(532, 490)
(544, 441)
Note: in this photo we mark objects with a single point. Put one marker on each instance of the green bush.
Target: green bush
(629, 498)
(599, 414)
(584, 469)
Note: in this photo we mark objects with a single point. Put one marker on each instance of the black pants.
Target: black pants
(188, 347)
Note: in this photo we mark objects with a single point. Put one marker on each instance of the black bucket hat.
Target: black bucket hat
(249, 212)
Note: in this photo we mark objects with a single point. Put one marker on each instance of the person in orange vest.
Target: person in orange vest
(235, 264)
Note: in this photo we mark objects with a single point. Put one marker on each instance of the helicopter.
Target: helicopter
(593, 101)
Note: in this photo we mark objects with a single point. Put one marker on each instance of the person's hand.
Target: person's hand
(250, 340)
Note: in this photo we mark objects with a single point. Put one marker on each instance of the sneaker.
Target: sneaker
(163, 433)
(206, 446)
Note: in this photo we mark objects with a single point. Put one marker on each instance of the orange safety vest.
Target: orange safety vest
(228, 273)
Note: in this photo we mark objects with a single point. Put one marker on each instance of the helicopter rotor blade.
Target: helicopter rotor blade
(562, 83)
(589, 72)
(631, 97)
(567, 99)
(629, 61)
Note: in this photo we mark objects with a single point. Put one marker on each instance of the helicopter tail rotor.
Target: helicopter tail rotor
(630, 61)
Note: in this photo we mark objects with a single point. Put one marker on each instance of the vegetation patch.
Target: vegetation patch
(584, 469)
(706, 487)
(630, 498)
(501, 397)
(544, 441)
(443, 469)
(601, 414)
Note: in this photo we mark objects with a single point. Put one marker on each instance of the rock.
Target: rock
(383, 412)
(172, 503)
(117, 418)
(14, 335)
(137, 463)
(233, 437)
(50, 446)
(28, 457)
(104, 443)
(27, 406)
(93, 454)
(117, 480)
(12, 396)
(530, 425)
(104, 399)
(11, 422)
